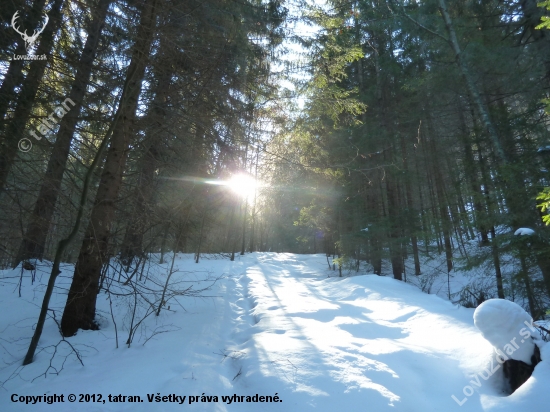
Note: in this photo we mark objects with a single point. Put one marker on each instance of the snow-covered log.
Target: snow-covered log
(508, 327)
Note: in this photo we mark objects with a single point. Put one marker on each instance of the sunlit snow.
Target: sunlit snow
(274, 324)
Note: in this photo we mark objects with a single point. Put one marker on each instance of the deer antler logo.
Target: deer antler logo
(29, 40)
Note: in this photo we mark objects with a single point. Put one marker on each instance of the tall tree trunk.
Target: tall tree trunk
(527, 283)
(472, 88)
(433, 201)
(34, 240)
(442, 203)
(423, 219)
(245, 214)
(394, 233)
(491, 208)
(144, 191)
(244, 202)
(480, 215)
(25, 102)
(392, 190)
(165, 233)
(231, 233)
(253, 226)
(81, 302)
(496, 261)
(373, 205)
(201, 236)
(132, 244)
(412, 215)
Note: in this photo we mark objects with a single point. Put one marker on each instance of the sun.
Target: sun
(243, 185)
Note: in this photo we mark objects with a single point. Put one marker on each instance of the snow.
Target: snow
(272, 325)
(507, 327)
(524, 231)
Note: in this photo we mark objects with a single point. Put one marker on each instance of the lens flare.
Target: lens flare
(243, 185)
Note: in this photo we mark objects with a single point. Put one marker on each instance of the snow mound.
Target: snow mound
(524, 231)
(507, 327)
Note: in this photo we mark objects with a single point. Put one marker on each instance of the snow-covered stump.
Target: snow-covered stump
(509, 329)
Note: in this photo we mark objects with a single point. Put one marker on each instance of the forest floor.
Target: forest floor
(273, 325)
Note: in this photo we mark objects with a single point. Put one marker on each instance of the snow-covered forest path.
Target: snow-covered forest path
(343, 342)
(273, 325)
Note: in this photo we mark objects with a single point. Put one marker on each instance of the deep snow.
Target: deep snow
(275, 324)
(507, 327)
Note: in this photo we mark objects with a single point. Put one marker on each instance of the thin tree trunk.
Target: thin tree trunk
(432, 199)
(253, 228)
(412, 225)
(470, 168)
(394, 234)
(491, 209)
(527, 284)
(496, 260)
(231, 233)
(442, 205)
(201, 235)
(425, 226)
(378, 206)
(163, 243)
(245, 213)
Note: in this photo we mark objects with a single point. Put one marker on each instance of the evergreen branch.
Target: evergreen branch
(420, 24)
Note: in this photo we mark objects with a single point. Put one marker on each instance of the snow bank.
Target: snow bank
(507, 327)
(274, 324)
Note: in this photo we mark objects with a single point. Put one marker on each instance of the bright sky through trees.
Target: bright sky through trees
(243, 185)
